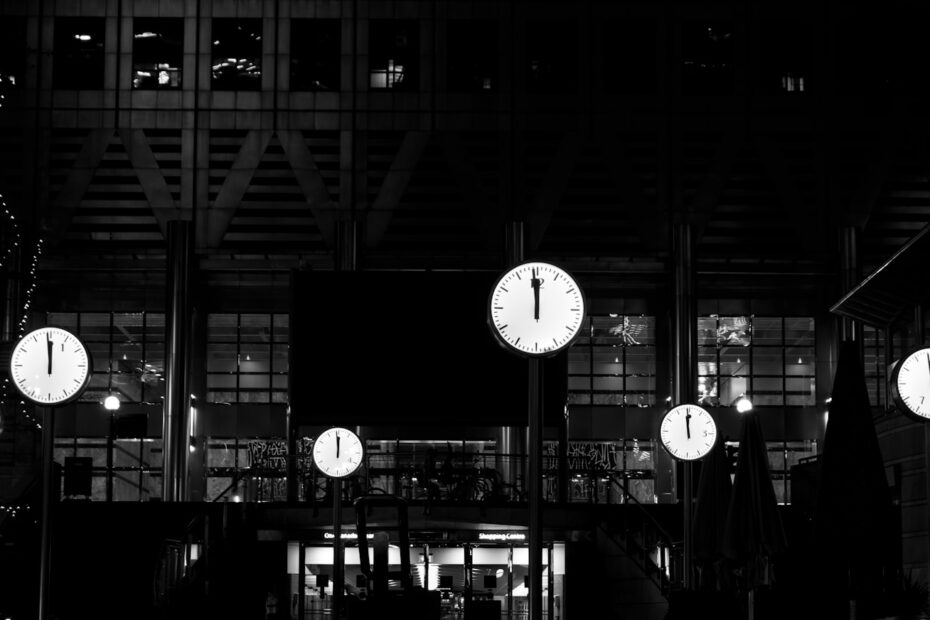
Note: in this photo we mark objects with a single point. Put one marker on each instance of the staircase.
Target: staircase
(640, 562)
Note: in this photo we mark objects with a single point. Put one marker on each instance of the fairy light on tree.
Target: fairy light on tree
(12, 235)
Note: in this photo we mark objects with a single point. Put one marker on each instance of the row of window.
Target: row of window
(551, 55)
(613, 362)
(254, 469)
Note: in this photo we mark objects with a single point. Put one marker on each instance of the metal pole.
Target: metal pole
(534, 486)
(175, 427)
(48, 493)
(337, 548)
(685, 343)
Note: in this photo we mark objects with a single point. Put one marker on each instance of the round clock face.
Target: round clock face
(688, 432)
(50, 366)
(338, 452)
(536, 309)
(910, 383)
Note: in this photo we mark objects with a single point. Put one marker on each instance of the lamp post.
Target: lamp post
(111, 404)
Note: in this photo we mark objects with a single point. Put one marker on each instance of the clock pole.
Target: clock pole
(48, 465)
(534, 488)
(338, 559)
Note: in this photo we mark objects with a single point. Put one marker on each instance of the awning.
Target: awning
(895, 287)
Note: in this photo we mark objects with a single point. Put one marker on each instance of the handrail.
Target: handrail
(652, 520)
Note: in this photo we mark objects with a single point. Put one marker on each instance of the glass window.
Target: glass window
(315, 54)
(472, 66)
(247, 358)
(12, 52)
(613, 362)
(127, 351)
(157, 53)
(237, 54)
(874, 364)
(394, 50)
(135, 475)
(707, 58)
(630, 61)
(551, 55)
(770, 359)
(785, 57)
(78, 58)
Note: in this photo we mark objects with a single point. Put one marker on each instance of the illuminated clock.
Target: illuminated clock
(910, 384)
(536, 309)
(50, 366)
(688, 432)
(338, 452)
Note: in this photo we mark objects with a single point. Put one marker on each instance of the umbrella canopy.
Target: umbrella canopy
(754, 531)
(712, 504)
(854, 519)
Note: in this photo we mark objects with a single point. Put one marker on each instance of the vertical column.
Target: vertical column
(176, 419)
(511, 440)
(534, 488)
(49, 497)
(685, 359)
(849, 277)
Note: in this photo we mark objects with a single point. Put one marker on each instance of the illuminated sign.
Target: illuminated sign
(501, 536)
(346, 535)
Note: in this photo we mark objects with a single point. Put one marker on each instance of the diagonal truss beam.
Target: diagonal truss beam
(394, 185)
(214, 222)
(150, 177)
(311, 183)
(78, 180)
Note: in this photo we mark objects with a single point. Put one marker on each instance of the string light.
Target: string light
(8, 256)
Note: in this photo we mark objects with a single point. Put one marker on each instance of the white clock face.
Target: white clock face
(688, 432)
(536, 309)
(50, 366)
(910, 387)
(338, 452)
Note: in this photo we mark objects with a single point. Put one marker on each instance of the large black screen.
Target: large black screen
(405, 348)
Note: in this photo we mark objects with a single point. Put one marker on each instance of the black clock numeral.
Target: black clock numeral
(556, 277)
(570, 291)
(504, 289)
(516, 341)
(518, 275)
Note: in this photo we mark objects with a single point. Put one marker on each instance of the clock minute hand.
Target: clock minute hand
(688, 424)
(337, 446)
(535, 283)
(50, 344)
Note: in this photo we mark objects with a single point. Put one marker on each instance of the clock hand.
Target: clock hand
(535, 283)
(337, 445)
(50, 344)
(688, 424)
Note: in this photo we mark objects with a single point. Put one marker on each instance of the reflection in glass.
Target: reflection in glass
(394, 54)
(157, 53)
(237, 54)
(78, 58)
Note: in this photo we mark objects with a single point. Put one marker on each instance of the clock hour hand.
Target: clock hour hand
(337, 445)
(535, 283)
(688, 424)
(50, 344)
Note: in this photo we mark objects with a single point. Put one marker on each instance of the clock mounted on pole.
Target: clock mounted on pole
(50, 367)
(535, 310)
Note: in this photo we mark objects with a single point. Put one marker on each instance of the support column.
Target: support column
(176, 420)
(511, 440)
(850, 276)
(685, 360)
(534, 488)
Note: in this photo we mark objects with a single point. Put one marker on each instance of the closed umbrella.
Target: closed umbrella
(754, 532)
(854, 518)
(710, 515)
